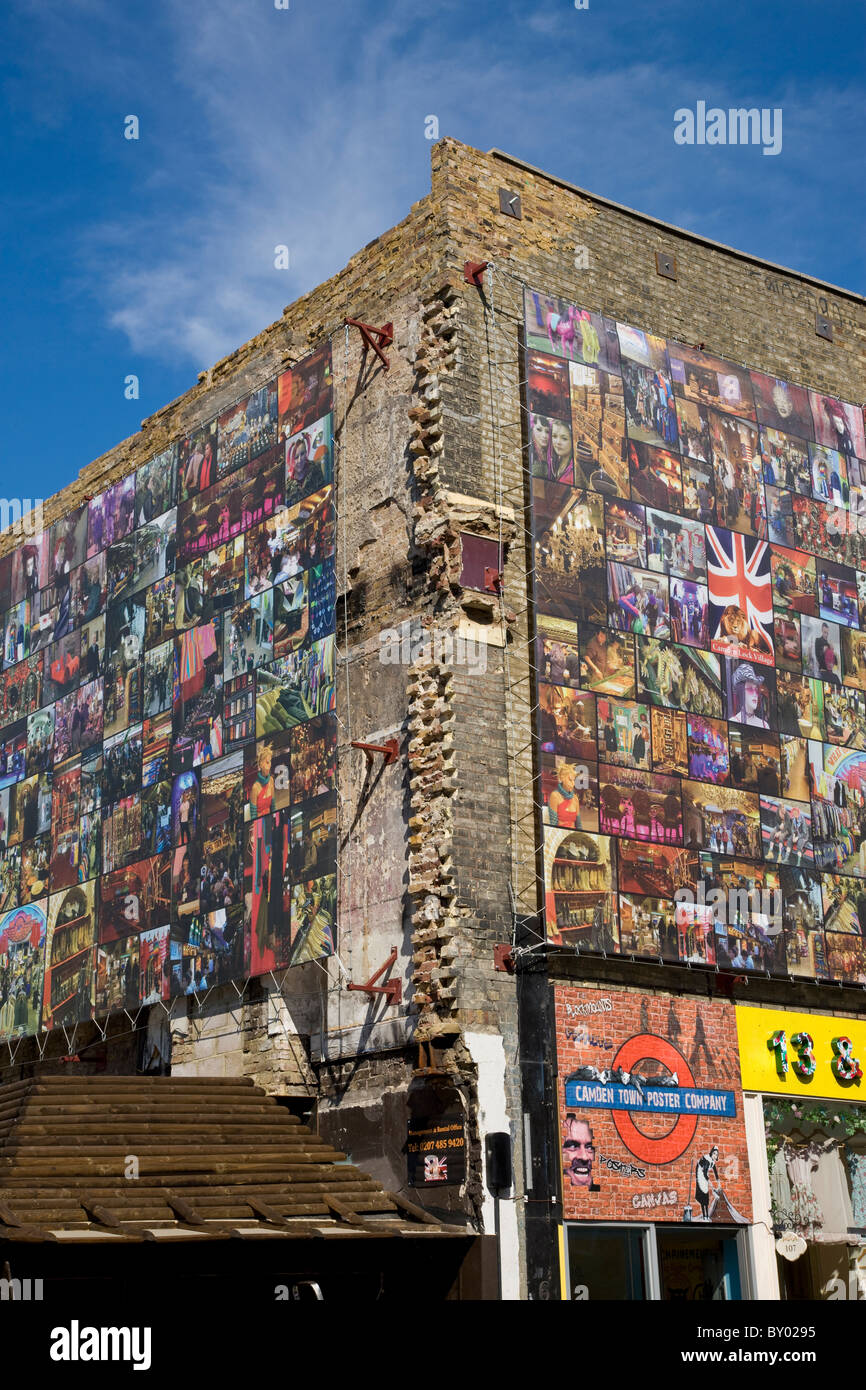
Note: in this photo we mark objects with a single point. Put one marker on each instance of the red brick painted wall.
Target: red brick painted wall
(654, 1163)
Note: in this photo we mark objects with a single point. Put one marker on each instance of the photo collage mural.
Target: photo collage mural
(699, 558)
(167, 721)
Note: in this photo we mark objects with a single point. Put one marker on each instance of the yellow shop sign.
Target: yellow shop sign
(795, 1054)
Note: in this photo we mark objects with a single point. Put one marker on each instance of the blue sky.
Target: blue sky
(305, 126)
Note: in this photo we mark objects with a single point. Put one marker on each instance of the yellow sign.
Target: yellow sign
(793, 1054)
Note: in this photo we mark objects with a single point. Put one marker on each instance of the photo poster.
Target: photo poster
(699, 595)
(650, 1108)
(168, 724)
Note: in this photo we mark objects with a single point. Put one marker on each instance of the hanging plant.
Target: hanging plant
(783, 1116)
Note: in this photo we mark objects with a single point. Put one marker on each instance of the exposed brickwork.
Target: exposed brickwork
(433, 845)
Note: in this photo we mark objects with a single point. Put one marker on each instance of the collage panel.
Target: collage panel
(607, 661)
(313, 839)
(787, 462)
(838, 425)
(568, 532)
(722, 820)
(786, 831)
(155, 974)
(829, 475)
(624, 732)
(711, 381)
(698, 491)
(310, 461)
(694, 430)
(803, 918)
(845, 716)
(295, 688)
(580, 881)
(838, 594)
(680, 677)
(313, 919)
(247, 429)
(222, 818)
(23, 933)
(640, 805)
(268, 891)
(305, 392)
(313, 759)
(197, 465)
(751, 693)
(647, 927)
(13, 753)
(598, 431)
(70, 950)
(676, 546)
(117, 975)
(846, 958)
(567, 722)
(569, 793)
(669, 738)
(782, 406)
(739, 589)
(739, 474)
(638, 601)
(625, 534)
(134, 899)
(853, 644)
(656, 478)
(554, 326)
(156, 486)
(557, 655)
(838, 808)
(197, 711)
(267, 782)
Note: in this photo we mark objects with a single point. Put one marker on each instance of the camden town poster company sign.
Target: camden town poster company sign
(651, 1122)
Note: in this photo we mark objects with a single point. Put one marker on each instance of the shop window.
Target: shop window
(606, 1263)
(816, 1153)
(694, 1265)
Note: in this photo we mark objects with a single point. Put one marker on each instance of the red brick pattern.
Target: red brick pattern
(703, 1033)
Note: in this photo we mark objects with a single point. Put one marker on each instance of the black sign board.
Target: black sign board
(436, 1149)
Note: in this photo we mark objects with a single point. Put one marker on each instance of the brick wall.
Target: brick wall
(429, 449)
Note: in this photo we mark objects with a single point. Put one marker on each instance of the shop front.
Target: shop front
(802, 1078)
(656, 1193)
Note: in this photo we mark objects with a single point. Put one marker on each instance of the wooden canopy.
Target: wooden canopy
(214, 1158)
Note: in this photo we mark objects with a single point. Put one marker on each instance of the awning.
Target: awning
(127, 1159)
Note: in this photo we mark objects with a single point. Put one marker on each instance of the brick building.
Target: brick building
(441, 869)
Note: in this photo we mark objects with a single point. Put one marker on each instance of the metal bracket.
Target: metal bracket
(390, 750)
(473, 271)
(492, 580)
(375, 338)
(503, 958)
(393, 989)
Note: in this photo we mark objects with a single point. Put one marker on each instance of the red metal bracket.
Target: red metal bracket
(389, 750)
(375, 338)
(392, 988)
(503, 959)
(492, 580)
(473, 271)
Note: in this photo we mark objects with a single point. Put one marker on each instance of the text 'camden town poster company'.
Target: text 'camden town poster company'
(699, 569)
(651, 1119)
(167, 721)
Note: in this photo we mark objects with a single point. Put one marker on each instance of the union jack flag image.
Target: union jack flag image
(740, 595)
(435, 1168)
